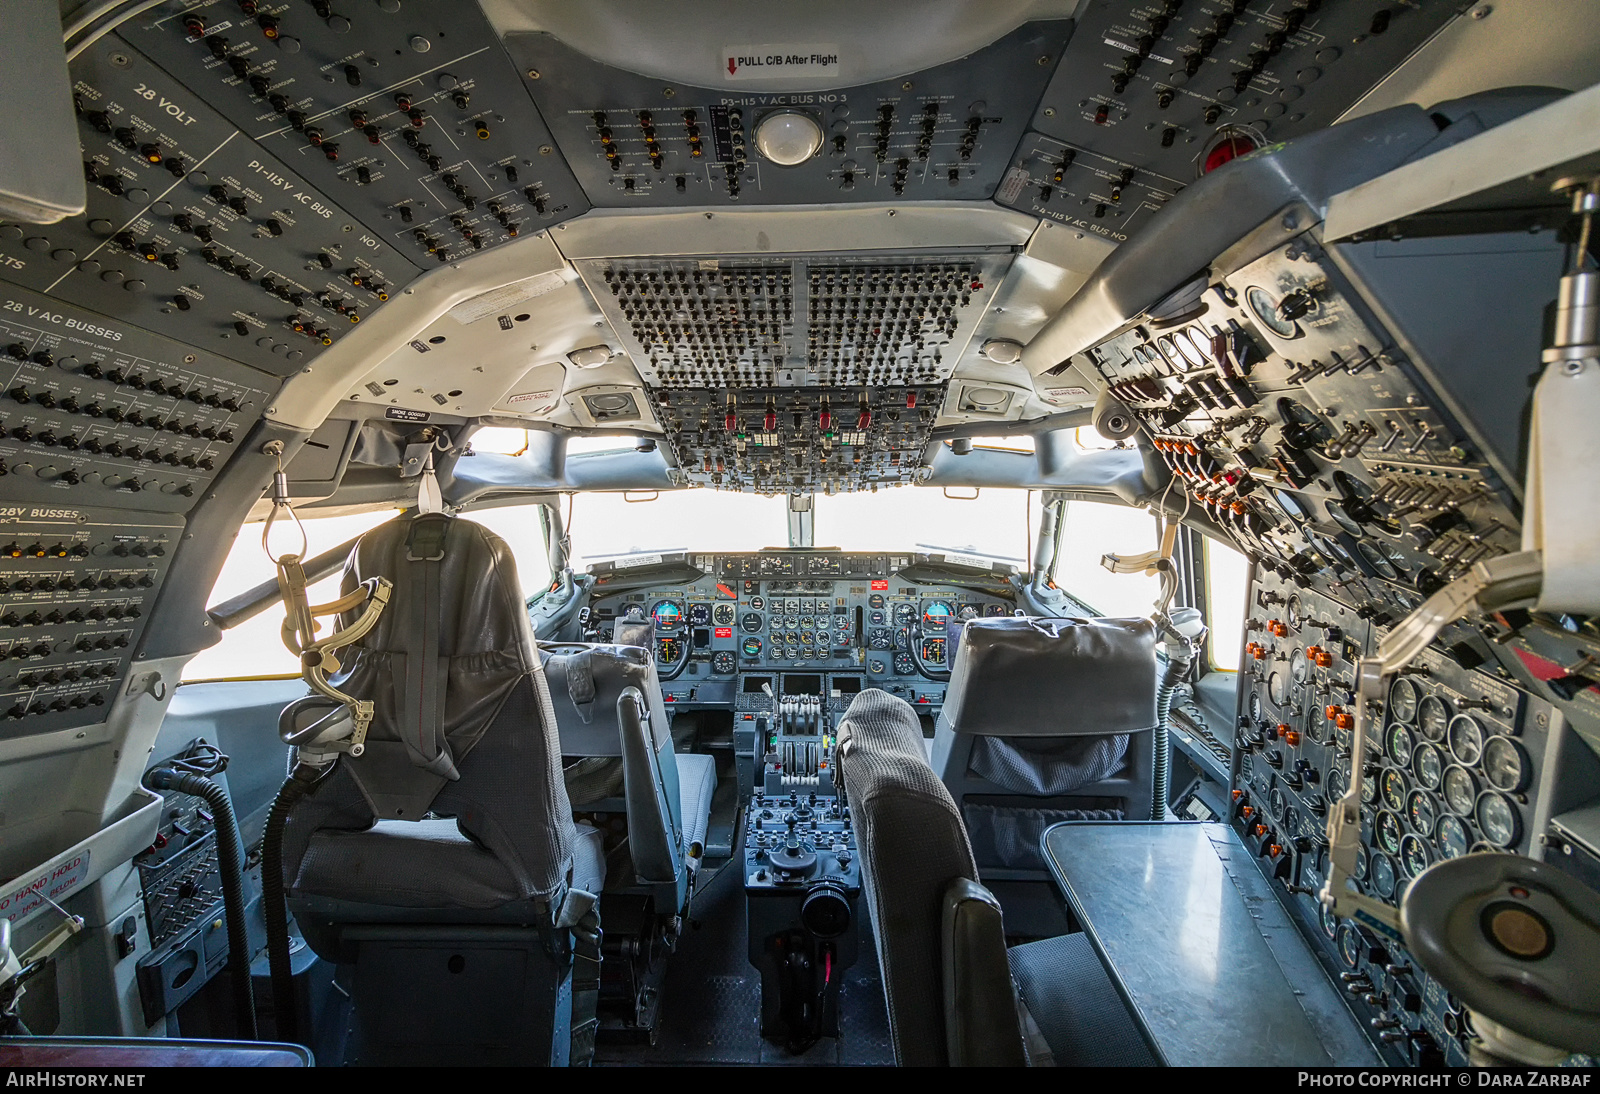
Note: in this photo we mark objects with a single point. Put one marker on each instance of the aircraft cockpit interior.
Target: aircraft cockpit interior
(957, 533)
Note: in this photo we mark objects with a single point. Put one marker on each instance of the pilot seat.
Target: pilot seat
(1046, 720)
(651, 801)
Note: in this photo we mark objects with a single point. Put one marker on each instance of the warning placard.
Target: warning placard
(776, 60)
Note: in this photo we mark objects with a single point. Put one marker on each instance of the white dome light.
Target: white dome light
(788, 137)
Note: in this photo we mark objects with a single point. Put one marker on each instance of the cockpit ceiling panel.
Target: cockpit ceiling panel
(829, 320)
(945, 133)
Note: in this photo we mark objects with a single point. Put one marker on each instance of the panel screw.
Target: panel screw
(545, 150)
(533, 74)
(1482, 11)
(1049, 111)
(1044, 59)
(906, 86)
(667, 93)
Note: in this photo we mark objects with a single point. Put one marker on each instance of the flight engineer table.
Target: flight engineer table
(1212, 969)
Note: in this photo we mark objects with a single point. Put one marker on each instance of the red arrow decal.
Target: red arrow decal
(731, 66)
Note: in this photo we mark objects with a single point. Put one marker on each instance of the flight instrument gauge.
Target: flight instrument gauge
(722, 661)
(1498, 819)
(1266, 310)
(1433, 716)
(904, 614)
(699, 614)
(968, 612)
(1403, 700)
(875, 600)
(935, 614)
(752, 648)
(878, 638)
(1466, 739)
(668, 615)
(1505, 765)
(903, 665)
(751, 622)
(722, 615)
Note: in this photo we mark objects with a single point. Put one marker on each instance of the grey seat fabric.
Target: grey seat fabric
(1075, 1006)
(913, 848)
(425, 864)
(496, 732)
(1046, 719)
(615, 732)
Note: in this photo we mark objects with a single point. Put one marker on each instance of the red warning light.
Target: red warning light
(1227, 149)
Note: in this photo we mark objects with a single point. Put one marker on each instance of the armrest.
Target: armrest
(982, 1027)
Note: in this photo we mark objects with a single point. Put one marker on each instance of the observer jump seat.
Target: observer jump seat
(443, 863)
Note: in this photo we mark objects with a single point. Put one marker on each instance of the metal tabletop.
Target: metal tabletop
(1199, 948)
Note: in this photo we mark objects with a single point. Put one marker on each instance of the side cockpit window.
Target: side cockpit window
(1090, 530)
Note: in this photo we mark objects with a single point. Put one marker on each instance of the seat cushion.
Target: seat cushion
(697, 782)
(1074, 1004)
(404, 864)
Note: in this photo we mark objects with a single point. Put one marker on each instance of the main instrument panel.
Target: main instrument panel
(752, 628)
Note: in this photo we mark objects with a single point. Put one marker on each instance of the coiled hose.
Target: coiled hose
(274, 904)
(1178, 661)
(230, 858)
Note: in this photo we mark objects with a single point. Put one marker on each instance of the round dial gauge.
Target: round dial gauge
(1399, 744)
(877, 619)
(1383, 876)
(1169, 349)
(1421, 812)
(722, 615)
(1453, 838)
(1288, 503)
(1266, 310)
(1329, 921)
(751, 622)
(758, 602)
(1350, 946)
(935, 614)
(1277, 804)
(667, 614)
(1414, 855)
(1374, 555)
(875, 600)
(1292, 611)
(1429, 766)
(1498, 819)
(1403, 700)
(1294, 823)
(1466, 739)
(968, 612)
(1343, 519)
(1505, 765)
(1361, 862)
(1433, 716)
(903, 665)
(1299, 667)
(1277, 688)
(752, 647)
(1393, 786)
(1255, 705)
(1338, 783)
(905, 613)
(699, 614)
(1190, 348)
(878, 638)
(1386, 830)
(1460, 790)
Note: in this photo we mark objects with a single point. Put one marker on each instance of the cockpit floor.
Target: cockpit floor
(711, 999)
